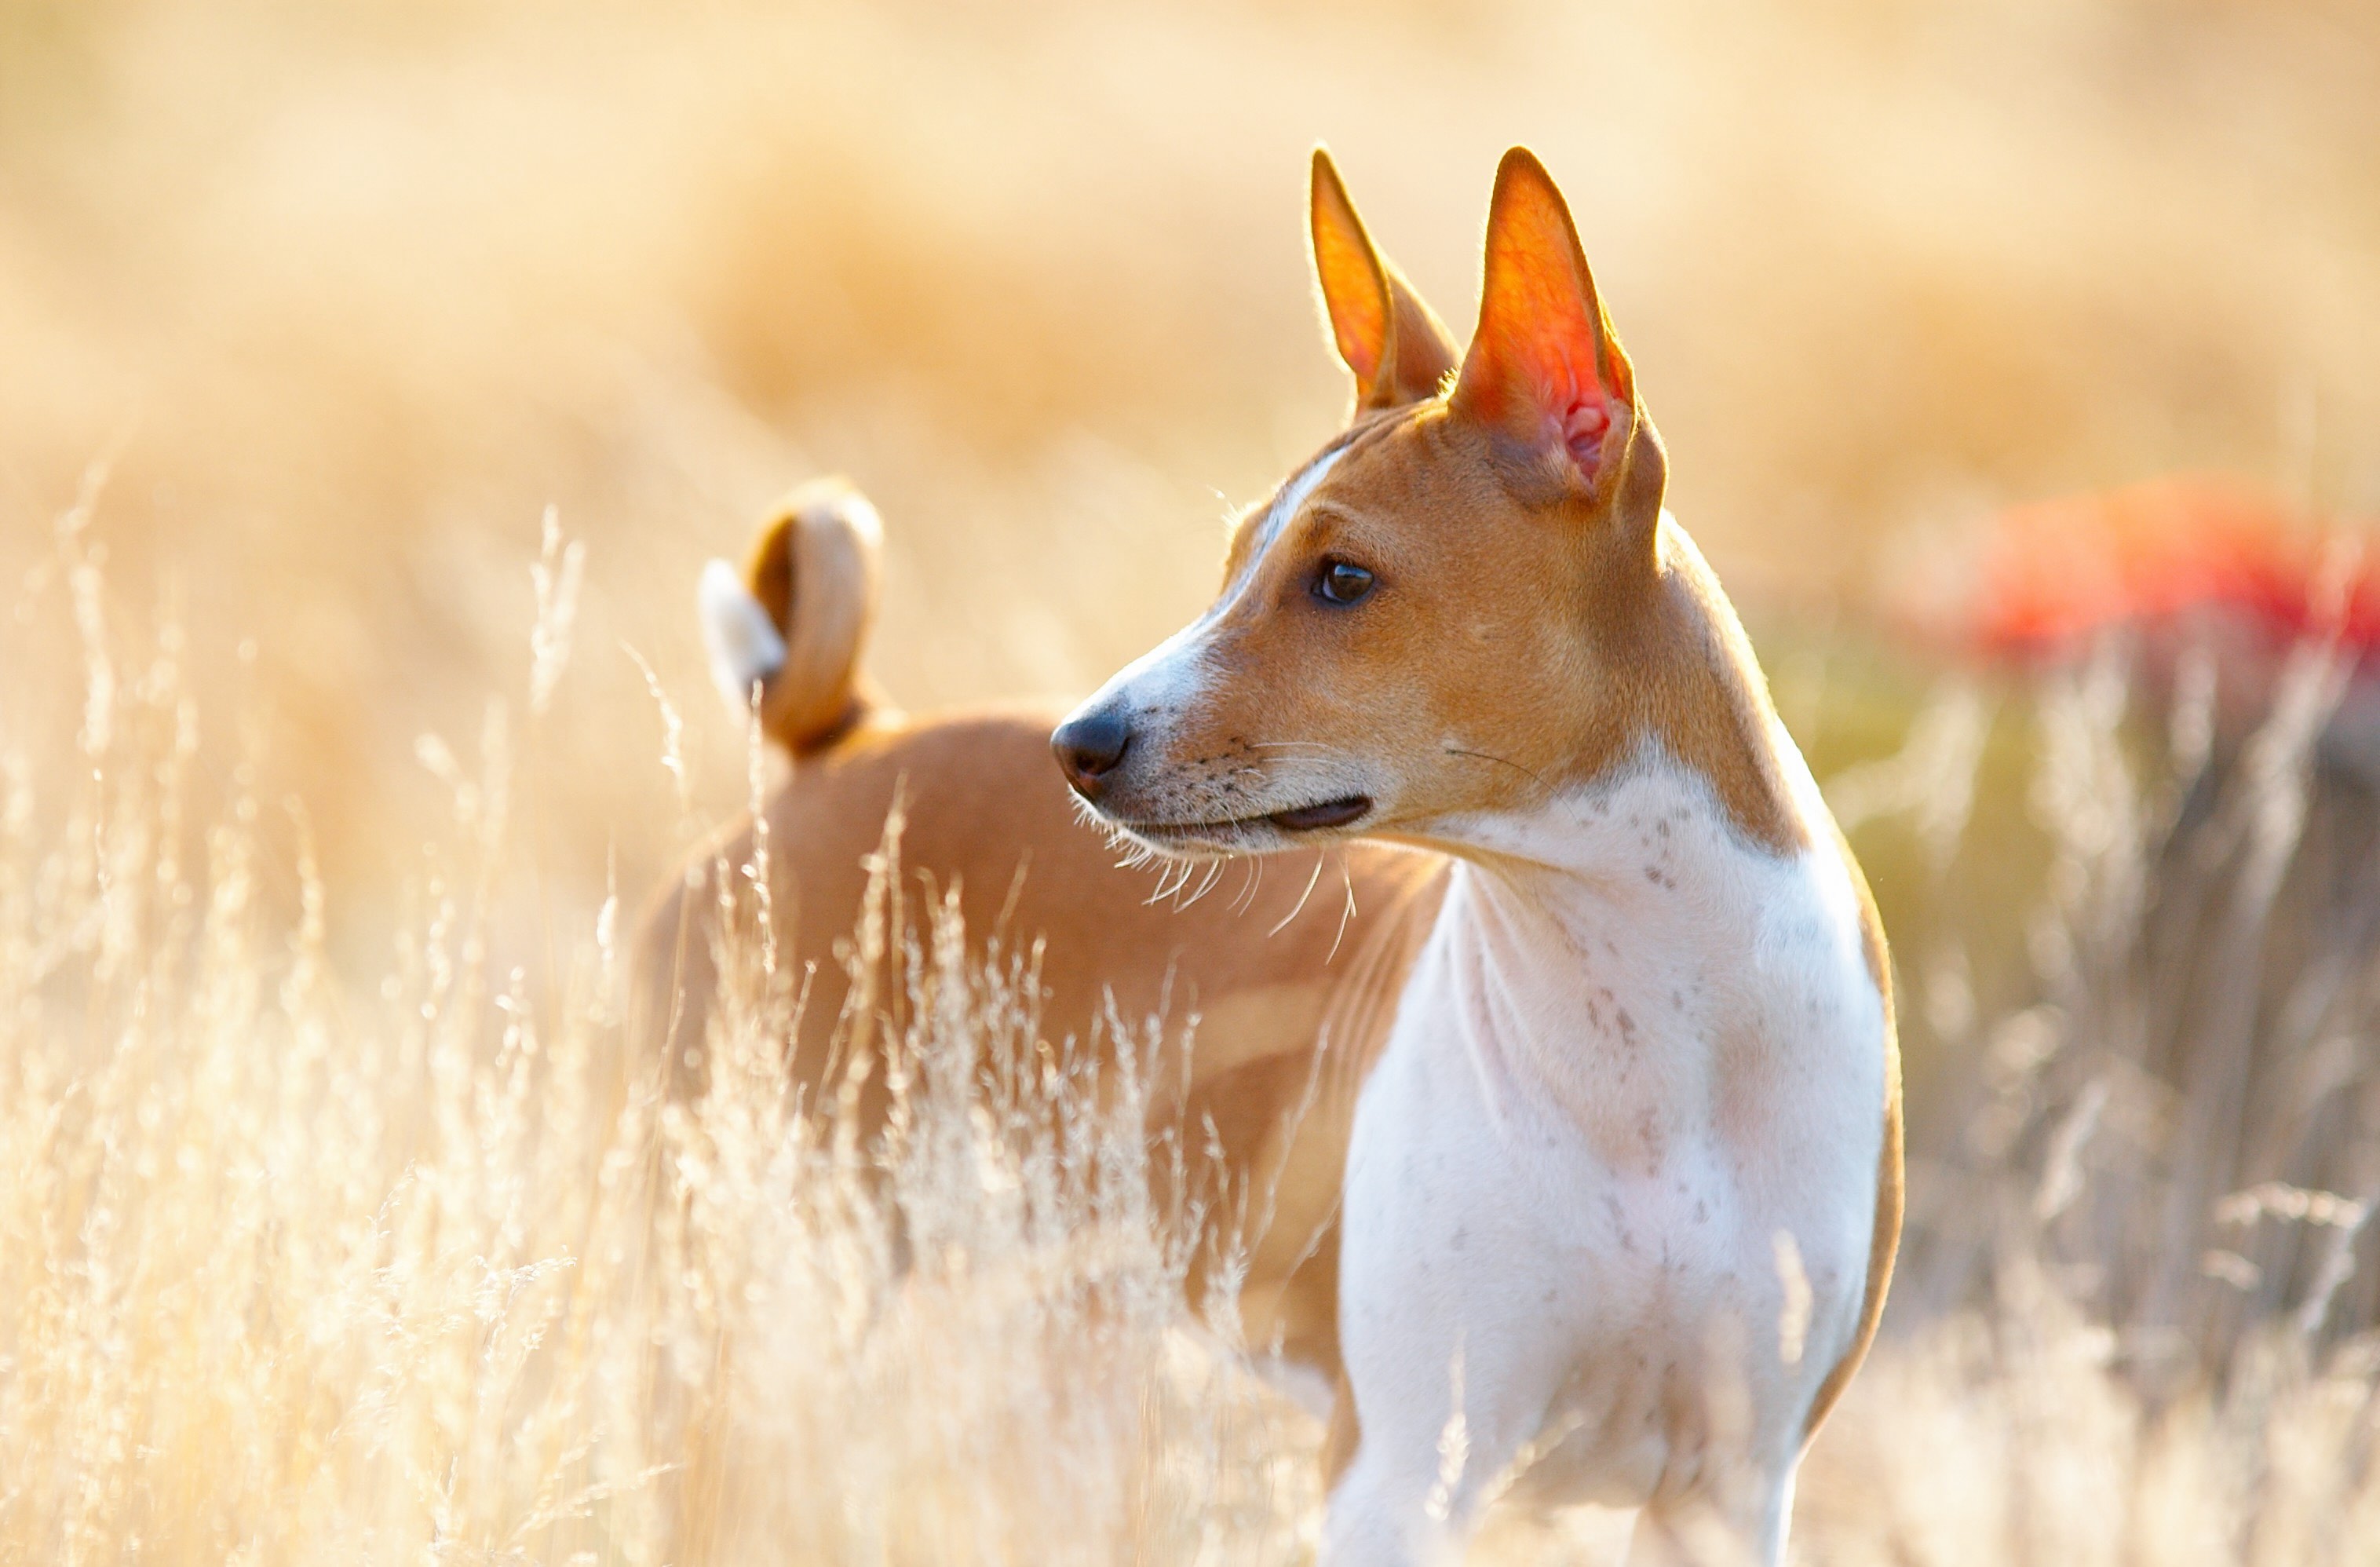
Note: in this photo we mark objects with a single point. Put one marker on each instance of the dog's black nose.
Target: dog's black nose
(1088, 745)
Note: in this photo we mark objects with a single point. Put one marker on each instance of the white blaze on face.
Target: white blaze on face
(1169, 676)
(1285, 507)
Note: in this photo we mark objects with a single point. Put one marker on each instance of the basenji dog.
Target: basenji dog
(1604, 1205)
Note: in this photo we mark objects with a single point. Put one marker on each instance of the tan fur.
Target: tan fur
(1650, 646)
(1394, 344)
(814, 570)
(1283, 1021)
(1890, 1180)
(1537, 622)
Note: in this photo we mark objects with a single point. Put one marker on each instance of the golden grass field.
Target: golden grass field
(335, 1226)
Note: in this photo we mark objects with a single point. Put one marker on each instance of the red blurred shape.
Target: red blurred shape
(2052, 574)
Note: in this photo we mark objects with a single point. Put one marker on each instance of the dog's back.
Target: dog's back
(1291, 972)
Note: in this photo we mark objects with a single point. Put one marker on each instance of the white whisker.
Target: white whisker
(1246, 897)
(1346, 914)
(1318, 856)
(1167, 884)
(1214, 873)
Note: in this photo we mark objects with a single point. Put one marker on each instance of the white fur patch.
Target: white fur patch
(1285, 507)
(1170, 675)
(1636, 1050)
(745, 644)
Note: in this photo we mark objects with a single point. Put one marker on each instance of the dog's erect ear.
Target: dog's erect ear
(1544, 368)
(1397, 349)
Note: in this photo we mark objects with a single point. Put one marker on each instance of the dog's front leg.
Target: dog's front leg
(1436, 1441)
(1738, 1523)
(1450, 1318)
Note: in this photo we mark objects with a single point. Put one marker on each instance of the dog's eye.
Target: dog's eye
(1341, 582)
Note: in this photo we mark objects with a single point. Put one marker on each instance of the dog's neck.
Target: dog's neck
(1595, 945)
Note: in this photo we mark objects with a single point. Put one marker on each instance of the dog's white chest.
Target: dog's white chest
(1614, 1176)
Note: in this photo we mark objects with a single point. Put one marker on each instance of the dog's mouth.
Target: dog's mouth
(1345, 811)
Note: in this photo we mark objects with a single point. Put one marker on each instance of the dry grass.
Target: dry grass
(292, 1272)
(289, 1274)
(334, 1225)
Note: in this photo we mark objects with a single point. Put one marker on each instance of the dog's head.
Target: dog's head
(1455, 607)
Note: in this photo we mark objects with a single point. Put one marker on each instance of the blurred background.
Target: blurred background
(1977, 331)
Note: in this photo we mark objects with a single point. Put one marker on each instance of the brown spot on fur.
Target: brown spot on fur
(1649, 1133)
(1744, 1075)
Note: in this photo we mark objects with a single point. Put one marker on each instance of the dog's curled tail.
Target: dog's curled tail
(793, 621)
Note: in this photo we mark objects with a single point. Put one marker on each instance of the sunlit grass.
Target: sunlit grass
(289, 1274)
(337, 1222)
(293, 1268)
